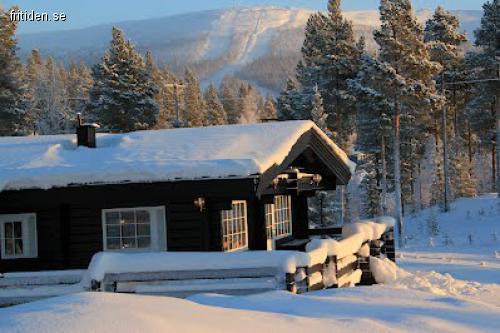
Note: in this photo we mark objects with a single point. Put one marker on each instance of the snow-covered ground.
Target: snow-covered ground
(443, 284)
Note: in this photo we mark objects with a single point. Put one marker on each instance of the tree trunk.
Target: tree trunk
(397, 175)
(494, 165)
(444, 119)
(498, 131)
(384, 177)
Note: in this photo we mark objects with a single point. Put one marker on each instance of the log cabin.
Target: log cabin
(222, 188)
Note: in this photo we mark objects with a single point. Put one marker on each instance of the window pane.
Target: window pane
(113, 231)
(143, 242)
(113, 243)
(8, 228)
(129, 243)
(18, 230)
(143, 230)
(19, 246)
(128, 217)
(113, 218)
(128, 230)
(143, 216)
(9, 247)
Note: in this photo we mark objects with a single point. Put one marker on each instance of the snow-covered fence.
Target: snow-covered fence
(24, 287)
(182, 274)
(344, 262)
(326, 263)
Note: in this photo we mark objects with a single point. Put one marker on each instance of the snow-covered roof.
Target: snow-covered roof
(148, 156)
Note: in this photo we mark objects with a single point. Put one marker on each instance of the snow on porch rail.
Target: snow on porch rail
(344, 263)
(325, 264)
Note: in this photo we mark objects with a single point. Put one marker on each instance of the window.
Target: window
(279, 217)
(234, 227)
(134, 229)
(18, 236)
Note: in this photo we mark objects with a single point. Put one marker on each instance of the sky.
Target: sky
(84, 13)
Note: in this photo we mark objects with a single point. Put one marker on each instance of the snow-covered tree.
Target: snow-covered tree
(406, 60)
(371, 198)
(318, 114)
(441, 32)
(485, 107)
(291, 104)
(331, 57)
(248, 104)
(194, 104)
(123, 92)
(229, 101)
(269, 111)
(11, 87)
(215, 110)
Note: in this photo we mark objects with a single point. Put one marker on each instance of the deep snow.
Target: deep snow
(440, 288)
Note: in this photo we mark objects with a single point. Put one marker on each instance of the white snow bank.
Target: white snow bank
(354, 234)
(149, 156)
(386, 272)
(111, 262)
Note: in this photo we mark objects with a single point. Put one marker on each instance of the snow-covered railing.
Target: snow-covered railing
(182, 274)
(21, 287)
(326, 263)
(345, 262)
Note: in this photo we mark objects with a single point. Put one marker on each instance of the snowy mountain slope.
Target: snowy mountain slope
(216, 42)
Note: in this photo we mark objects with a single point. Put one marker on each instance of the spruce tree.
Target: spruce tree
(195, 108)
(248, 104)
(230, 103)
(331, 57)
(168, 85)
(122, 95)
(215, 110)
(11, 87)
(318, 115)
(291, 103)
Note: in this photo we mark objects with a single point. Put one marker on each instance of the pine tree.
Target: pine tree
(248, 104)
(373, 89)
(168, 85)
(79, 83)
(11, 90)
(195, 108)
(269, 111)
(122, 95)
(215, 110)
(331, 57)
(230, 103)
(403, 50)
(485, 107)
(441, 32)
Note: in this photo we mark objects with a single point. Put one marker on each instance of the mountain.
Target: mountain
(259, 44)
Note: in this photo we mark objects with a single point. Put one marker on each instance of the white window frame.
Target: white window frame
(281, 216)
(227, 217)
(29, 235)
(157, 216)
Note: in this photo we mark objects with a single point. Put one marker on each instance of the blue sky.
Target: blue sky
(83, 13)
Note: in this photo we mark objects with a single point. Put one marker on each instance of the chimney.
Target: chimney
(85, 133)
